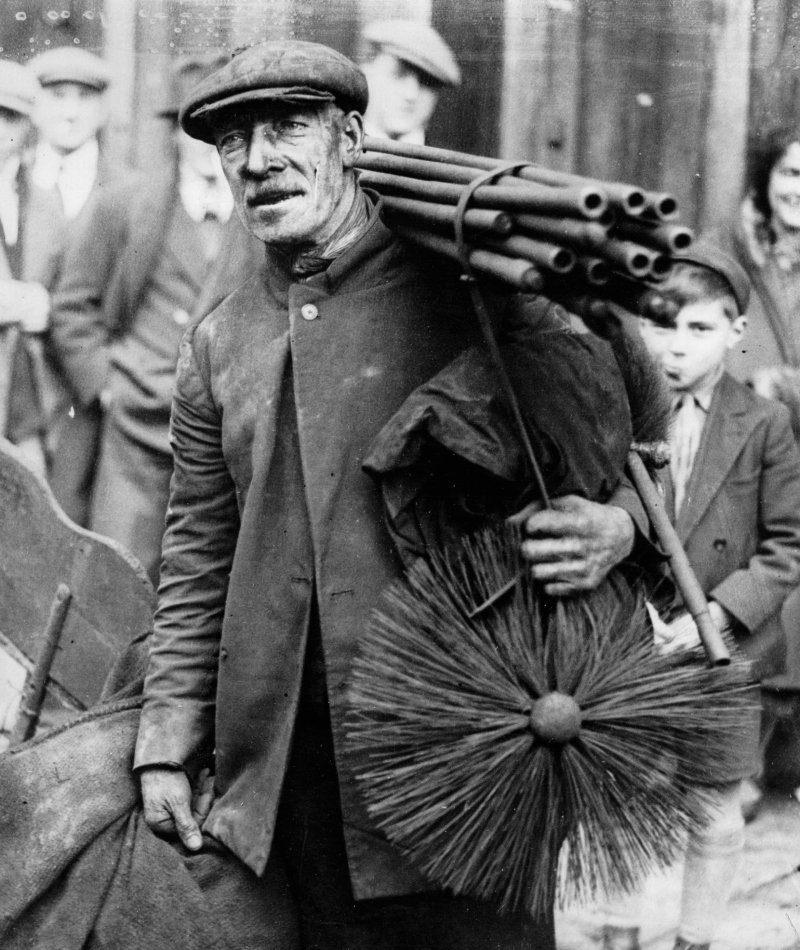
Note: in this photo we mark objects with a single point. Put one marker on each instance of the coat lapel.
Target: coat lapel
(184, 243)
(148, 223)
(728, 421)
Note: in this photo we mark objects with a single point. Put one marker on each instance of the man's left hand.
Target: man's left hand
(573, 545)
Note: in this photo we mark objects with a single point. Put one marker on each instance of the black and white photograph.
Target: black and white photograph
(400, 474)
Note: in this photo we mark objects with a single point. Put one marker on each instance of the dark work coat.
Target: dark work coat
(280, 394)
(740, 521)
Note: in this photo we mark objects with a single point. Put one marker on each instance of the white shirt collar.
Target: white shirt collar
(203, 196)
(74, 174)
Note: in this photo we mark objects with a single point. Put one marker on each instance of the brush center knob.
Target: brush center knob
(556, 717)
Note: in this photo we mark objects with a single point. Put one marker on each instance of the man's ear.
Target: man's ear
(352, 138)
(738, 326)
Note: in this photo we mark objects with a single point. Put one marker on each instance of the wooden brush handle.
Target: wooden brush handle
(685, 578)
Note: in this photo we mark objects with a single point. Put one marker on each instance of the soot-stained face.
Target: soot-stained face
(289, 167)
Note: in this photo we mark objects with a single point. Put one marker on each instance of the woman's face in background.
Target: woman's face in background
(783, 191)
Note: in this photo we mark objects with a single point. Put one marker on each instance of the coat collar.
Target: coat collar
(357, 263)
(727, 429)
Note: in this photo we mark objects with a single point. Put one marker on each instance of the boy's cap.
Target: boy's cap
(279, 70)
(70, 64)
(18, 87)
(713, 258)
(186, 74)
(418, 44)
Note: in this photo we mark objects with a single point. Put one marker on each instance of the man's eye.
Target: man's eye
(290, 126)
(231, 140)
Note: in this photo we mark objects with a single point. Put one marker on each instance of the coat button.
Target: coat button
(309, 312)
(720, 544)
(181, 317)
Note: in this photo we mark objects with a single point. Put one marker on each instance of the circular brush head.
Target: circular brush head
(491, 725)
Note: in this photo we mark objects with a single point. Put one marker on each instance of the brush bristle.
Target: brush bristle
(442, 747)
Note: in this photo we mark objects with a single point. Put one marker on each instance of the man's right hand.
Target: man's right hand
(167, 797)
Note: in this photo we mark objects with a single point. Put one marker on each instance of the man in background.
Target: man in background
(71, 110)
(139, 265)
(406, 64)
(30, 244)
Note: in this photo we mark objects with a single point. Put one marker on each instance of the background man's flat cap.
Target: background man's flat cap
(70, 64)
(704, 254)
(286, 70)
(18, 87)
(418, 44)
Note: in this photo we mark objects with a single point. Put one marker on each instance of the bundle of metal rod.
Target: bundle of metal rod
(533, 198)
(636, 201)
(515, 271)
(627, 256)
(498, 223)
(615, 241)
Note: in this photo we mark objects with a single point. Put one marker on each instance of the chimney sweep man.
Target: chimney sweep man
(276, 550)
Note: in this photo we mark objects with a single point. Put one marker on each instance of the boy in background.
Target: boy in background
(734, 491)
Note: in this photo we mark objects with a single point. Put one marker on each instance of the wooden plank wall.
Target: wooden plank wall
(31, 26)
(468, 118)
(775, 64)
(647, 91)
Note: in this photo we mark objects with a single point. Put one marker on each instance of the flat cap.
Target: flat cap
(286, 70)
(705, 254)
(418, 44)
(71, 64)
(18, 87)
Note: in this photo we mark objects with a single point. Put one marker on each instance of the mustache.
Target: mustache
(268, 193)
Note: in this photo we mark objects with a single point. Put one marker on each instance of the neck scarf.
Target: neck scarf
(349, 231)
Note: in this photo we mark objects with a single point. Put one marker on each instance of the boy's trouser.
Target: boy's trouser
(712, 860)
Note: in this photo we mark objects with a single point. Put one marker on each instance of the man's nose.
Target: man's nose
(411, 86)
(69, 107)
(262, 155)
(678, 343)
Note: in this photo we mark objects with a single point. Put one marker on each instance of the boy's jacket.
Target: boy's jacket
(740, 520)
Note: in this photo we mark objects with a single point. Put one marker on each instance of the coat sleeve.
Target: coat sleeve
(756, 592)
(79, 328)
(177, 723)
